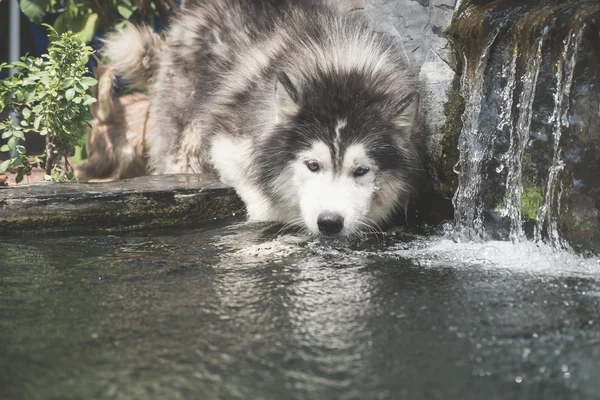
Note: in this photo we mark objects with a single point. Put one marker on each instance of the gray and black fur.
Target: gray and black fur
(272, 77)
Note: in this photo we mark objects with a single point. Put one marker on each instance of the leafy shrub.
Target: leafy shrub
(50, 95)
(86, 17)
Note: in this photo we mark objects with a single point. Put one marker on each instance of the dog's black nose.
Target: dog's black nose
(330, 223)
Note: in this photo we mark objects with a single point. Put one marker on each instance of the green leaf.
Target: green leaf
(70, 93)
(26, 113)
(4, 148)
(19, 135)
(126, 11)
(51, 30)
(89, 81)
(34, 9)
(86, 34)
(30, 80)
(77, 157)
(6, 134)
(2, 125)
(30, 96)
(83, 26)
(36, 123)
(4, 165)
(44, 78)
(18, 64)
(90, 100)
(79, 88)
(44, 132)
(68, 82)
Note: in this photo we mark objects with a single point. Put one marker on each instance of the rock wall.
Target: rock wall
(419, 26)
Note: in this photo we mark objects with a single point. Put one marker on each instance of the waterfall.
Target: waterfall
(564, 79)
(472, 150)
(519, 136)
(520, 77)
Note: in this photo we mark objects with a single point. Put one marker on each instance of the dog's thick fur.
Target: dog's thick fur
(116, 136)
(299, 105)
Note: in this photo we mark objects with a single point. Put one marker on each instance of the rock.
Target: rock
(419, 26)
(114, 206)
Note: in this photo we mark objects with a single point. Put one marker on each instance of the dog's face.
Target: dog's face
(334, 200)
(341, 175)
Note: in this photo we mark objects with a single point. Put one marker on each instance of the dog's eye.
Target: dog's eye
(360, 171)
(313, 166)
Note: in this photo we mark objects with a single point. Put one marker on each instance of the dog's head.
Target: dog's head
(341, 157)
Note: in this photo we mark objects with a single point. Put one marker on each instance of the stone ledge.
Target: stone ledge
(137, 203)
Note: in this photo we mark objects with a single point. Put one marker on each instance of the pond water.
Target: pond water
(236, 310)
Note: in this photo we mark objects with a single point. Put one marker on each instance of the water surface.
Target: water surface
(233, 310)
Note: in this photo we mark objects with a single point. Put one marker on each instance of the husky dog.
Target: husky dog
(299, 105)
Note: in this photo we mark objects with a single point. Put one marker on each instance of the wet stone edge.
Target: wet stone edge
(111, 207)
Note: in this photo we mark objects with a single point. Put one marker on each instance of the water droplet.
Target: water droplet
(567, 375)
(518, 379)
(564, 368)
(500, 168)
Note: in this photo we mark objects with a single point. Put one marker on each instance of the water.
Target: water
(564, 80)
(474, 148)
(526, 123)
(519, 135)
(232, 310)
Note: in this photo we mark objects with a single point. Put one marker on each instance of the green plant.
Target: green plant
(50, 95)
(86, 17)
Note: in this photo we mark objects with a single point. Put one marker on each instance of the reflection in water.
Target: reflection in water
(239, 312)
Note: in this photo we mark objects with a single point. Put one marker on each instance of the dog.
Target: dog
(116, 136)
(302, 107)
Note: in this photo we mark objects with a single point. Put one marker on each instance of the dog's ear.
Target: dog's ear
(286, 98)
(406, 114)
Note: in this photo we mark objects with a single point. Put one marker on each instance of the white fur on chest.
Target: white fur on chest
(232, 158)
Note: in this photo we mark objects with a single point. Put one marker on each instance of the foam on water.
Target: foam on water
(444, 250)
(525, 257)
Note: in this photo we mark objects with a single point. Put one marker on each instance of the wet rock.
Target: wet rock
(419, 26)
(530, 144)
(114, 206)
